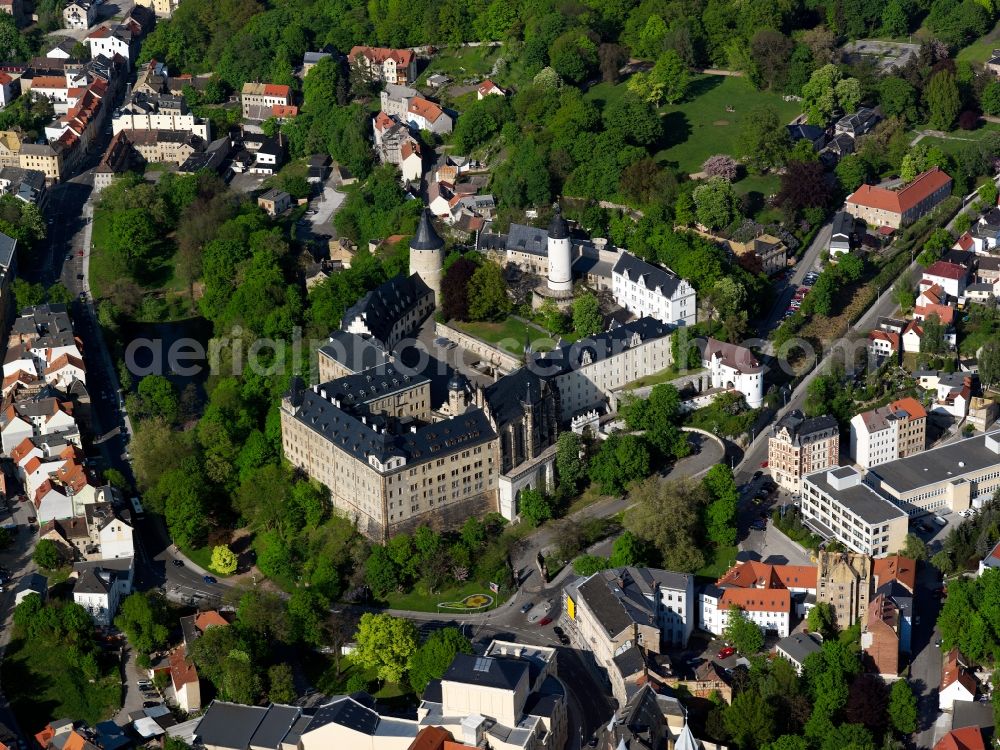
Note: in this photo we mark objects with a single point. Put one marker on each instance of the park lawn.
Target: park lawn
(473, 63)
(202, 557)
(717, 561)
(765, 184)
(510, 335)
(701, 126)
(420, 600)
(46, 689)
(981, 50)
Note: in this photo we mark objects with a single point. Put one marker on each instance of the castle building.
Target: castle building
(427, 256)
(560, 255)
(734, 367)
(391, 312)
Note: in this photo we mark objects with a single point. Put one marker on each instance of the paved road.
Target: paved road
(925, 669)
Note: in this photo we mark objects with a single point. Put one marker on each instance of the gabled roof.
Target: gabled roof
(425, 109)
(901, 201)
(757, 600)
(944, 269)
(896, 568)
(732, 355)
(381, 54)
(647, 275)
(890, 337)
(966, 738)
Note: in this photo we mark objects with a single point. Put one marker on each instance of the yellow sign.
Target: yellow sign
(570, 608)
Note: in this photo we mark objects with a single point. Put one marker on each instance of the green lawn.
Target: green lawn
(981, 50)
(41, 687)
(459, 64)
(663, 376)
(421, 600)
(701, 126)
(103, 270)
(322, 672)
(510, 335)
(718, 561)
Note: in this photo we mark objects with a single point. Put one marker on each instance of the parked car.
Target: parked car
(527, 608)
(150, 704)
(763, 464)
(544, 621)
(727, 652)
(758, 474)
(209, 579)
(758, 525)
(178, 563)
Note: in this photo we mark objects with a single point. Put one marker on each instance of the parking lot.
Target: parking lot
(800, 294)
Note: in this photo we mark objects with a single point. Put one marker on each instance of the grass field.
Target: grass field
(323, 674)
(981, 50)
(663, 376)
(509, 335)
(460, 64)
(718, 561)
(960, 138)
(423, 601)
(46, 688)
(701, 126)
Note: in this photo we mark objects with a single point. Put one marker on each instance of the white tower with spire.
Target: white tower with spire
(427, 255)
(560, 255)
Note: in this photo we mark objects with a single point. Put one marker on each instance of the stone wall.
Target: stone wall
(492, 355)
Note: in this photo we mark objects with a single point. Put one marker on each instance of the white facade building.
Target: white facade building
(100, 587)
(734, 367)
(644, 289)
(560, 255)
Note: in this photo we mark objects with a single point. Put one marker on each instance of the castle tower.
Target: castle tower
(427, 255)
(457, 394)
(560, 255)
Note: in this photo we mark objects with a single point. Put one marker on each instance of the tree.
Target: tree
(587, 565)
(943, 100)
(902, 707)
(432, 659)
(669, 79)
(159, 397)
(534, 507)
(141, 618)
(822, 619)
(133, 238)
(895, 21)
(989, 363)
(667, 515)
(721, 165)
(455, 289)
(932, 342)
(828, 92)
(573, 56)
(47, 554)
(634, 118)
(868, 703)
(721, 511)
(627, 550)
(280, 683)
(770, 52)
(223, 560)
(716, 203)
(385, 644)
(587, 318)
(763, 141)
(914, 547)
(803, 185)
(852, 172)
(570, 468)
(487, 293)
(749, 719)
(744, 634)
(988, 193)
(897, 97)
(990, 98)
(620, 460)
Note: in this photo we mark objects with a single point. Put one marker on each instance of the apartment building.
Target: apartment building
(837, 504)
(398, 66)
(259, 99)
(647, 290)
(44, 157)
(585, 373)
(624, 613)
(159, 112)
(423, 114)
(79, 14)
(800, 446)
(845, 581)
(952, 477)
(768, 595)
(889, 432)
(164, 146)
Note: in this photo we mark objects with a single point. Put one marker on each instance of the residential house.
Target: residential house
(805, 132)
(965, 738)
(160, 8)
(889, 432)
(896, 578)
(396, 99)
(843, 236)
(796, 648)
(768, 595)
(422, 114)
(845, 581)
(10, 88)
(858, 123)
(953, 395)
(10, 147)
(79, 14)
(991, 561)
(27, 185)
(879, 206)
(912, 337)
(118, 39)
(398, 66)
(184, 681)
(645, 289)
(311, 59)
(100, 587)
(764, 253)
(259, 99)
(117, 160)
(32, 583)
(958, 683)
(275, 202)
(638, 610)
(734, 367)
(880, 638)
(488, 88)
(800, 446)
(952, 279)
(837, 505)
(884, 343)
(841, 145)
(411, 162)
(144, 111)
(269, 156)
(46, 158)
(164, 146)
(932, 300)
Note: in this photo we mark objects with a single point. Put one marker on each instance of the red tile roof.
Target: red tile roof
(912, 407)
(182, 671)
(901, 201)
(487, 86)
(284, 110)
(966, 738)
(757, 600)
(381, 54)
(49, 82)
(424, 108)
(965, 242)
(945, 270)
(945, 313)
(204, 620)
(897, 567)
(383, 121)
(890, 336)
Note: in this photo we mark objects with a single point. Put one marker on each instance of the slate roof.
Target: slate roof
(276, 724)
(843, 224)
(798, 646)
(629, 661)
(426, 237)
(650, 276)
(570, 357)
(382, 306)
(506, 396)
(486, 671)
(229, 725)
(353, 351)
(8, 245)
(346, 711)
(800, 427)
